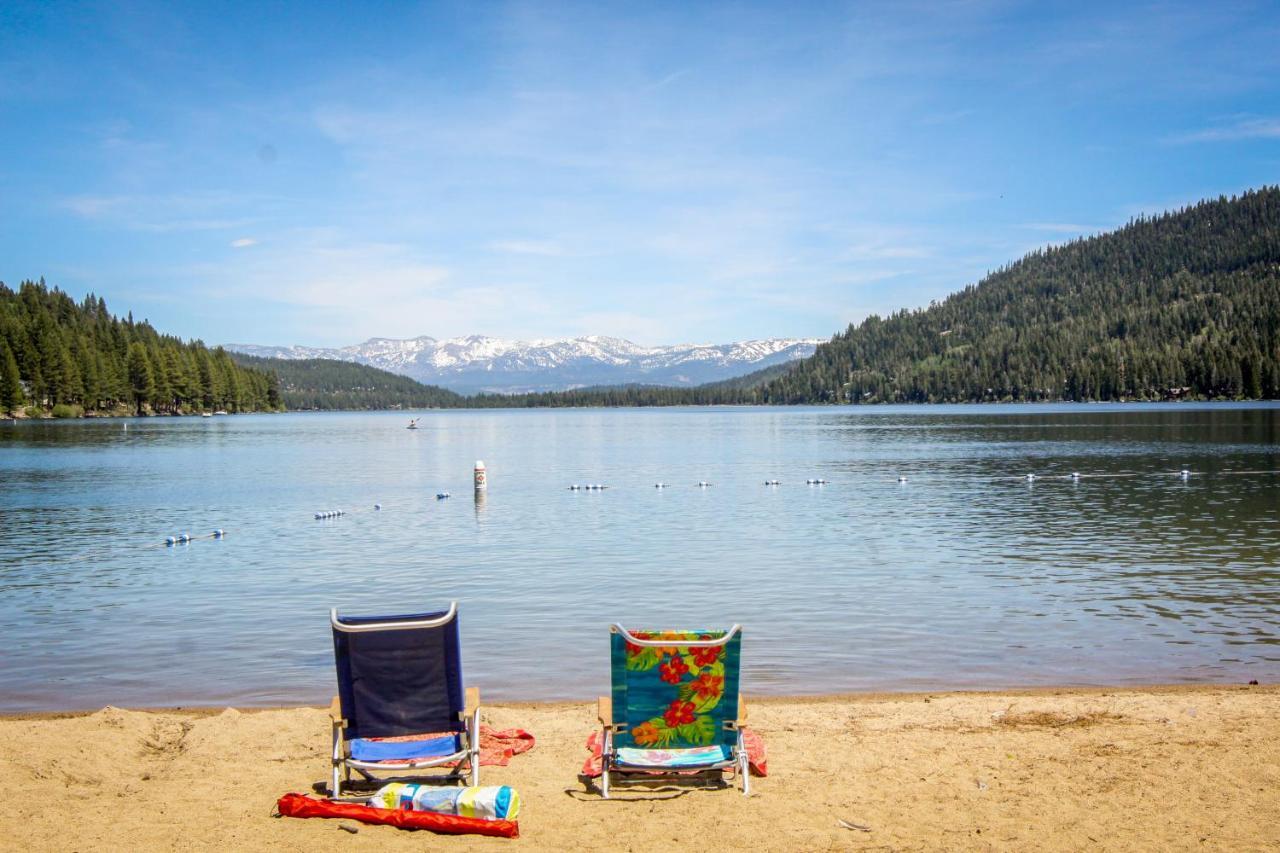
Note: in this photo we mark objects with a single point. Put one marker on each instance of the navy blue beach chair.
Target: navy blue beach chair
(401, 705)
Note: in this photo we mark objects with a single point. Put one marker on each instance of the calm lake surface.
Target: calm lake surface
(965, 576)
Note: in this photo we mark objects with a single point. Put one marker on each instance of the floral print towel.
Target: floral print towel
(756, 754)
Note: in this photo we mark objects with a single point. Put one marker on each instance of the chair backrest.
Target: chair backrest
(399, 675)
(675, 689)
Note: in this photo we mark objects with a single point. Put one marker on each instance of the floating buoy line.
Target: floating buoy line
(1075, 477)
(187, 538)
(1028, 477)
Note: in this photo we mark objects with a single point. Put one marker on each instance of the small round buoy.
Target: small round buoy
(1075, 475)
(217, 533)
(702, 484)
(377, 506)
(169, 540)
(1185, 474)
(1031, 478)
(659, 485)
(901, 479)
(441, 495)
(183, 537)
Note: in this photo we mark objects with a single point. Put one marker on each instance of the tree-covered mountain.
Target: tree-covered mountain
(323, 383)
(64, 357)
(1183, 305)
(1186, 304)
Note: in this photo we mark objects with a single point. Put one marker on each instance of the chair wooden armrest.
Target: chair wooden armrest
(335, 712)
(604, 711)
(742, 711)
(472, 701)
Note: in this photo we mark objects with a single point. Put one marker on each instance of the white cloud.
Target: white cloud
(1059, 227)
(243, 243)
(1242, 128)
(164, 213)
(545, 248)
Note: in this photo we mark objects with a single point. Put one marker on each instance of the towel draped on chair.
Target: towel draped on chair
(497, 747)
(757, 756)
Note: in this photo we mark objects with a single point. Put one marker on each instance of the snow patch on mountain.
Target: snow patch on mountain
(480, 363)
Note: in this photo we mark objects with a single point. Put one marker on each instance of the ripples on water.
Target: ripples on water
(964, 576)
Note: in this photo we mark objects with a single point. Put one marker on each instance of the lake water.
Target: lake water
(965, 576)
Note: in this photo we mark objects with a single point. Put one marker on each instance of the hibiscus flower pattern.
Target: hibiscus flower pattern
(673, 669)
(645, 734)
(696, 673)
(707, 686)
(678, 714)
(707, 656)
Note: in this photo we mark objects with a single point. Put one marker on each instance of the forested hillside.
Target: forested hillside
(64, 358)
(322, 384)
(1181, 305)
(1184, 305)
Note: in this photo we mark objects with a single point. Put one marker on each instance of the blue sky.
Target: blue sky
(667, 172)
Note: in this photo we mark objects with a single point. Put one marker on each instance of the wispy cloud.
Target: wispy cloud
(1240, 129)
(545, 248)
(163, 213)
(1059, 227)
(705, 171)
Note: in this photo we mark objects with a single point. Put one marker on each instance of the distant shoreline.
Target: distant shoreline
(1180, 403)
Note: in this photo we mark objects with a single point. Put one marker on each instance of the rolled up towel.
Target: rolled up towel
(491, 802)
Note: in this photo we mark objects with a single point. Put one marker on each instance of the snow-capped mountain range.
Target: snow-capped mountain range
(478, 363)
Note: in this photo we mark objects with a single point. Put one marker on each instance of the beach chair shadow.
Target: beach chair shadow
(401, 706)
(674, 716)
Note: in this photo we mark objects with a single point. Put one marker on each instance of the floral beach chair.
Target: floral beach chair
(401, 705)
(675, 706)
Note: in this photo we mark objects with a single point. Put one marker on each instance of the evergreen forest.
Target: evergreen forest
(1185, 305)
(66, 359)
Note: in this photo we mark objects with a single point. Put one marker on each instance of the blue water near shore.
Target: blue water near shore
(965, 576)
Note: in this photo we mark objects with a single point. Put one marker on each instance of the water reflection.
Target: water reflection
(966, 575)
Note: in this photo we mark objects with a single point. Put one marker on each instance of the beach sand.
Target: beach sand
(1172, 768)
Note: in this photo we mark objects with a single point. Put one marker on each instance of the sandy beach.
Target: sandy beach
(1154, 768)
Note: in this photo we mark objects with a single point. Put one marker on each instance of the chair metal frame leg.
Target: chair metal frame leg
(473, 742)
(335, 786)
(606, 751)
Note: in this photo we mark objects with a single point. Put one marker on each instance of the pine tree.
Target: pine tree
(11, 396)
(141, 380)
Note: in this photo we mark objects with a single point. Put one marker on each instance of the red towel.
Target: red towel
(757, 757)
(497, 747)
(300, 805)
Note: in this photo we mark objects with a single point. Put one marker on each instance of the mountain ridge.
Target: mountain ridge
(484, 364)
